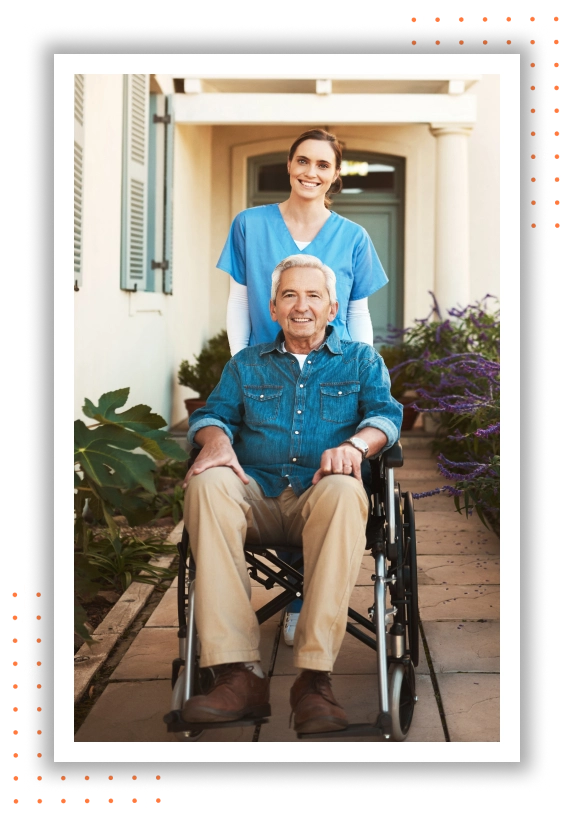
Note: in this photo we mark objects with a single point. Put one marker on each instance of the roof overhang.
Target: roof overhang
(274, 99)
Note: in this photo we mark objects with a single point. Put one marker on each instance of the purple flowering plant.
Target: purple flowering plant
(453, 366)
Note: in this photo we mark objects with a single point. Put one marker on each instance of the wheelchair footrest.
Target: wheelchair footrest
(176, 723)
(379, 729)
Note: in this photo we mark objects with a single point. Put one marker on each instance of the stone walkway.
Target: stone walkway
(457, 678)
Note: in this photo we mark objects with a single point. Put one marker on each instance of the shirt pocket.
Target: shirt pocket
(339, 401)
(261, 403)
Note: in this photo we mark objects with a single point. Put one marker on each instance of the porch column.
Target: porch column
(452, 264)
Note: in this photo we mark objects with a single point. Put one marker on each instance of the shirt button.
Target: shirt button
(262, 396)
(309, 361)
(296, 432)
(339, 392)
(299, 411)
(301, 385)
(293, 459)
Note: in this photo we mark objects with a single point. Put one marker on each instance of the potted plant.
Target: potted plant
(394, 356)
(204, 374)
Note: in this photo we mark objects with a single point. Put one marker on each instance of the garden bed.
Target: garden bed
(98, 606)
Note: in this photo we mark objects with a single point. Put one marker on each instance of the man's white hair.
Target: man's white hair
(304, 260)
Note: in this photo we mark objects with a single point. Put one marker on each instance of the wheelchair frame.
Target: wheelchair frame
(391, 539)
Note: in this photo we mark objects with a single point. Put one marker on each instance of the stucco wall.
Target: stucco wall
(122, 339)
(484, 180)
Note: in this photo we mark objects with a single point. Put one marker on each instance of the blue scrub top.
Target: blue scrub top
(259, 239)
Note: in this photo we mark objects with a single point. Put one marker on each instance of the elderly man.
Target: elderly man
(282, 440)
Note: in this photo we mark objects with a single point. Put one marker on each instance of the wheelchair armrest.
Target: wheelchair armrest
(393, 456)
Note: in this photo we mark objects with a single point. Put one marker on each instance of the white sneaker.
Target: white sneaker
(290, 621)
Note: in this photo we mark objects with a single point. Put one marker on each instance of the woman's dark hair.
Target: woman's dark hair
(335, 144)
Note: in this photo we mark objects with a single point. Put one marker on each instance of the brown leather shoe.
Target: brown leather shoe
(313, 704)
(236, 693)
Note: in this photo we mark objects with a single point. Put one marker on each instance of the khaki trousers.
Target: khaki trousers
(328, 521)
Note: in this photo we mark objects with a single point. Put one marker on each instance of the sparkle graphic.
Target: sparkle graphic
(542, 153)
(33, 671)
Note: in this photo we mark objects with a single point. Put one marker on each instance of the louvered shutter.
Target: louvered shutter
(168, 196)
(135, 178)
(78, 175)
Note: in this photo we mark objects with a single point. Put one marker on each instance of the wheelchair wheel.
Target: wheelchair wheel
(410, 574)
(401, 688)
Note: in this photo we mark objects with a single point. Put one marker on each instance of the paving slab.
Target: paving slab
(458, 569)
(434, 520)
(150, 656)
(358, 695)
(463, 646)
(166, 613)
(129, 712)
(440, 602)
(472, 706)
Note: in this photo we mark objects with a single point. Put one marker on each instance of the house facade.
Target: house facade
(163, 163)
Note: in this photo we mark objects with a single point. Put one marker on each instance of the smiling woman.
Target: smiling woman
(262, 236)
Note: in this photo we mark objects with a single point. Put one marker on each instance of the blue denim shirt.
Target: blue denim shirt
(280, 419)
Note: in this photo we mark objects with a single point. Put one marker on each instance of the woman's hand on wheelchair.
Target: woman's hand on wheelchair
(343, 460)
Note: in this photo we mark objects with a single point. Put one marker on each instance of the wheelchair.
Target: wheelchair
(390, 630)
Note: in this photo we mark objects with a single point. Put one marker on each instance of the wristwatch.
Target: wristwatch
(359, 444)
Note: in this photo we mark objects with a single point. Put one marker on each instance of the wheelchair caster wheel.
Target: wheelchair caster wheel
(402, 699)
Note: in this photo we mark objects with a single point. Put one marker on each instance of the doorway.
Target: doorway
(372, 196)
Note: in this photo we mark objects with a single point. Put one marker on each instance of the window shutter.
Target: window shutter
(168, 196)
(78, 175)
(135, 178)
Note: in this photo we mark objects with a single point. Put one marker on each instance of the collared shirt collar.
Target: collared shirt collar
(332, 342)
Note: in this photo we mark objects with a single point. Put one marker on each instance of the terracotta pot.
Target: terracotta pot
(410, 414)
(193, 404)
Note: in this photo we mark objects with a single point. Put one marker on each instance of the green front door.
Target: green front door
(372, 196)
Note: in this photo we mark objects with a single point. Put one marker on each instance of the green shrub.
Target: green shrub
(204, 375)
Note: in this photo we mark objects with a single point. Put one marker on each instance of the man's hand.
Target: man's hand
(343, 460)
(216, 452)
